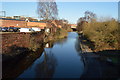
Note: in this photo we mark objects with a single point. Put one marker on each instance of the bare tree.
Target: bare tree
(89, 16)
(47, 9)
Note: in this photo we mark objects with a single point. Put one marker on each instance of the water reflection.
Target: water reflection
(61, 41)
(49, 45)
(77, 46)
(100, 65)
(46, 69)
(13, 67)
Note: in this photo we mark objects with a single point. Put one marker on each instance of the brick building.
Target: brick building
(20, 23)
(40, 25)
(12, 22)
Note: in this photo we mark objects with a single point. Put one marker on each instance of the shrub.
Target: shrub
(104, 34)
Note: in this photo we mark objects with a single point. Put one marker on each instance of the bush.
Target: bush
(61, 33)
(104, 34)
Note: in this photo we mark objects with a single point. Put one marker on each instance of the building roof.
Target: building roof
(22, 20)
(11, 19)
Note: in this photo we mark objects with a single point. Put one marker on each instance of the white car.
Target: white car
(36, 29)
(26, 30)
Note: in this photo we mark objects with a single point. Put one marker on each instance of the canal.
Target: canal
(61, 59)
(58, 60)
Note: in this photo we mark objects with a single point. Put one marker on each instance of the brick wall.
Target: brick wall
(15, 23)
(36, 24)
(19, 23)
(20, 40)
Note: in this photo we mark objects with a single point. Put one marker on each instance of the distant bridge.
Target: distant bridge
(73, 27)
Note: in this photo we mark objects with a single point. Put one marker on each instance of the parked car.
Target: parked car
(26, 30)
(16, 29)
(0, 29)
(13, 29)
(36, 29)
(10, 29)
(5, 29)
(32, 30)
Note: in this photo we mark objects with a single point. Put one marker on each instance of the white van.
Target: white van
(36, 29)
(26, 30)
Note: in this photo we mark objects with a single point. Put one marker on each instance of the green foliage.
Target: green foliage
(104, 34)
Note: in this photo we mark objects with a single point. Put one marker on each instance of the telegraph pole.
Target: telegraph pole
(2, 13)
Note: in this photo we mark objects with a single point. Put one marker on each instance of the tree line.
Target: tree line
(103, 34)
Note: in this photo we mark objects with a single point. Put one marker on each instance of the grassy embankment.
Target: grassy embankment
(102, 35)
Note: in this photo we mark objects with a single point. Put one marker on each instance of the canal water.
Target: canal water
(62, 59)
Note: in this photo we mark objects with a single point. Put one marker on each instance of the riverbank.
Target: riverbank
(104, 35)
(15, 44)
(92, 45)
(99, 65)
(111, 56)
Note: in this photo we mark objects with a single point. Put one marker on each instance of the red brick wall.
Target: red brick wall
(18, 23)
(20, 40)
(15, 23)
(37, 24)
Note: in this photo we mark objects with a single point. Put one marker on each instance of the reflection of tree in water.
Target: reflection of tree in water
(79, 50)
(96, 66)
(46, 69)
(77, 46)
(61, 41)
(16, 65)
